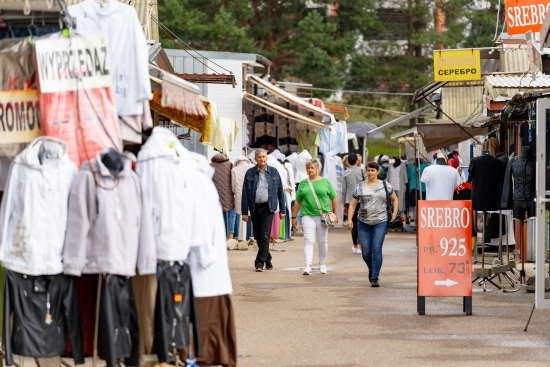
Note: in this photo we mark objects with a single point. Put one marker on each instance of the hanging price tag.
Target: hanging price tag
(178, 298)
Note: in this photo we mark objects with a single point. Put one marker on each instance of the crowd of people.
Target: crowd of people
(374, 196)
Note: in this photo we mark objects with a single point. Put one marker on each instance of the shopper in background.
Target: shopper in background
(241, 166)
(351, 178)
(262, 191)
(311, 217)
(371, 195)
(345, 162)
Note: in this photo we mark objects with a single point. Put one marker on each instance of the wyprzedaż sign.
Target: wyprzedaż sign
(457, 65)
(445, 248)
(525, 15)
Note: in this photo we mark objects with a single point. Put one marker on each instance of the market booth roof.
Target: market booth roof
(442, 134)
(292, 99)
(404, 118)
(283, 111)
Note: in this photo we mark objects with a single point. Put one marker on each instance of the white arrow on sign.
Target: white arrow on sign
(448, 282)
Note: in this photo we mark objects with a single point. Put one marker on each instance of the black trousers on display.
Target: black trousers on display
(262, 219)
(118, 322)
(175, 310)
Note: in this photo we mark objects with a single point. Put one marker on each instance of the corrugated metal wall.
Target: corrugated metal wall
(460, 102)
(515, 60)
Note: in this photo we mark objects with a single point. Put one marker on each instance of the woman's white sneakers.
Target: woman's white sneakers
(322, 269)
(356, 250)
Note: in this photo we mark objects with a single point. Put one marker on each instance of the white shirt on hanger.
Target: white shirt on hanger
(127, 49)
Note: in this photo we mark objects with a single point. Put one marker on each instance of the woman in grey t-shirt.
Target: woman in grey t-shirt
(372, 222)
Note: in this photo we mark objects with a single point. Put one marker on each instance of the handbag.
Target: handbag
(389, 205)
(327, 219)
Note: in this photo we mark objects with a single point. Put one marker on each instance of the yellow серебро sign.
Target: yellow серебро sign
(457, 65)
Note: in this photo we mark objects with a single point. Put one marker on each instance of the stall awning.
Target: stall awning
(283, 111)
(426, 91)
(438, 135)
(403, 133)
(195, 123)
(478, 120)
(397, 121)
(338, 109)
(287, 96)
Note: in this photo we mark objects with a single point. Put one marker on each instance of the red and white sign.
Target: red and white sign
(525, 15)
(445, 248)
(77, 104)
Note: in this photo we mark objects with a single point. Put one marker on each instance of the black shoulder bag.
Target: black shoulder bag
(389, 206)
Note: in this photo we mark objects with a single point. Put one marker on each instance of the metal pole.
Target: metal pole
(500, 236)
(96, 327)
(418, 192)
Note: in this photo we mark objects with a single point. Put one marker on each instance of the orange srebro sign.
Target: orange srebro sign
(444, 248)
(525, 15)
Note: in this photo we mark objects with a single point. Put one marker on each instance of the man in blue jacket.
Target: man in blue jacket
(262, 188)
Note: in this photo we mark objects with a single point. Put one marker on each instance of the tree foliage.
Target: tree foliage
(369, 45)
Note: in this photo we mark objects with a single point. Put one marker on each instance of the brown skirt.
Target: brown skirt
(217, 331)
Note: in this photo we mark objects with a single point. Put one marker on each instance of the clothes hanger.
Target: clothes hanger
(29, 28)
(10, 31)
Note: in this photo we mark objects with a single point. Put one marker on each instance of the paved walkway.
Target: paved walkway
(287, 319)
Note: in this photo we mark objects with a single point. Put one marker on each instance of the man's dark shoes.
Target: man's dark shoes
(374, 282)
(259, 268)
(268, 266)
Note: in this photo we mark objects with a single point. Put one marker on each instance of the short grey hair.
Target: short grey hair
(316, 163)
(260, 151)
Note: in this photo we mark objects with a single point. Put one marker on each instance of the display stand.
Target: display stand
(272, 246)
(499, 268)
(484, 275)
(96, 326)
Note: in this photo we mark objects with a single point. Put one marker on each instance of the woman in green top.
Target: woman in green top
(311, 216)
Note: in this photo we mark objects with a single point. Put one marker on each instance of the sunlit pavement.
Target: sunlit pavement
(285, 318)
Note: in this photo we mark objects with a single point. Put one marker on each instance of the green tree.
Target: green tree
(204, 25)
(369, 45)
(303, 43)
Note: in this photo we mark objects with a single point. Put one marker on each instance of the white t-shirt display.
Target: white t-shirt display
(440, 181)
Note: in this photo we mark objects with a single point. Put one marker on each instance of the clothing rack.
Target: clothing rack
(41, 13)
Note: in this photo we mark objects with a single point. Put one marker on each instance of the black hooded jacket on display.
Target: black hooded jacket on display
(44, 311)
(522, 170)
(175, 310)
(486, 174)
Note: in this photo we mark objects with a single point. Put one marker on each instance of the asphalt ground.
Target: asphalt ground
(284, 318)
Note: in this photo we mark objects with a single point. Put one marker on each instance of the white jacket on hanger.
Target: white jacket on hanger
(209, 264)
(127, 48)
(34, 209)
(108, 230)
(169, 179)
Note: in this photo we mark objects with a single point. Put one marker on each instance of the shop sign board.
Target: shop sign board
(444, 248)
(73, 64)
(457, 65)
(525, 15)
(19, 116)
(76, 99)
